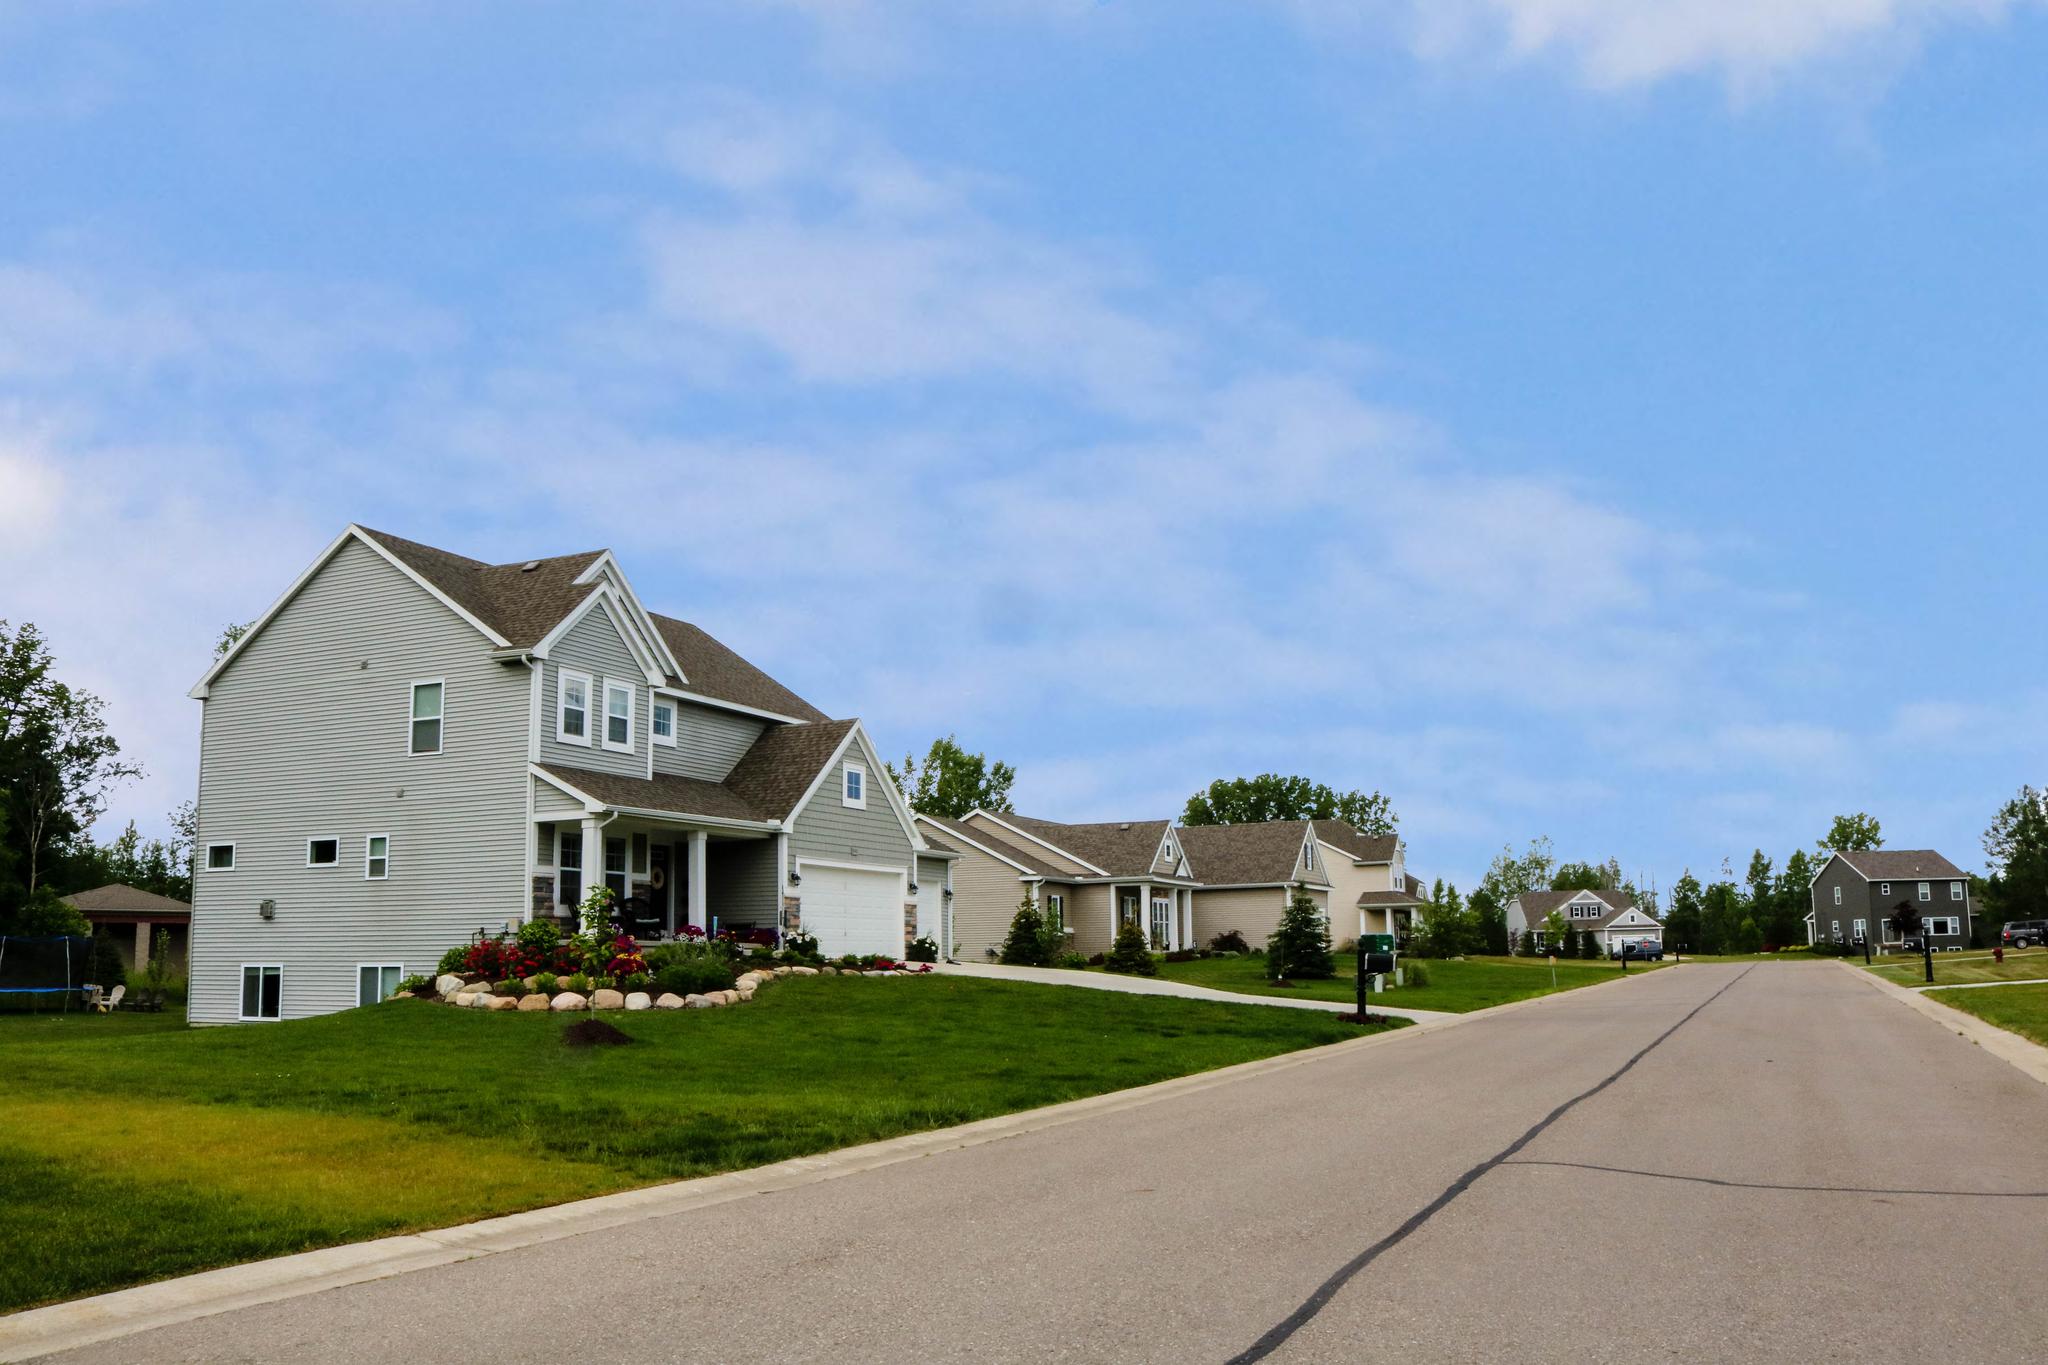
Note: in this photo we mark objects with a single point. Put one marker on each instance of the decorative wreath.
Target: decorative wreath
(658, 878)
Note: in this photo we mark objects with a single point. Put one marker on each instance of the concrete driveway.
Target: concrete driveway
(1774, 1162)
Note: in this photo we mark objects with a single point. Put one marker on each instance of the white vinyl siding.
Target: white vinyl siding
(829, 829)
(298, 734)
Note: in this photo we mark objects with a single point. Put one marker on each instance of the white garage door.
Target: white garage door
(851, 911)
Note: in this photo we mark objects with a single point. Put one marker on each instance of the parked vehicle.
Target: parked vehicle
(1641, 949)
(2026, 933)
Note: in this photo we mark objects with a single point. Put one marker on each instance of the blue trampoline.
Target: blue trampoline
(43, 973)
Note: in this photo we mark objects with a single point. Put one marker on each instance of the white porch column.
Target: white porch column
(593, 858)
(1187, 910)
(1145, 911)
(1115, 911)
(700, 844)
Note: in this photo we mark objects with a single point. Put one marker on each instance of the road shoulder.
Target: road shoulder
(2023, 1053)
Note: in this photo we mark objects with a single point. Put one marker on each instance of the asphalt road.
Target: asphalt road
(1708, 1163)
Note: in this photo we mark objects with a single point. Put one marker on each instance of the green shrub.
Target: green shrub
(547, 983)
(1097, 959)
(636, 981)
(1026, 944)
(451, 961)
(106, 968)
(924, 949)
(578, 983)
(696, 975)
(801, 947)
(1131, 956)
(1075, 962)
(1299, 949)
(538, 936)
(1414, 973)
(416, 984)
(512, 986)
(1229, 941)
(1589, 947)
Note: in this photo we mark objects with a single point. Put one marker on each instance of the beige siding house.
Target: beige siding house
(411, 748)
(1371, 891)
(1250, 872)
(1096, 877)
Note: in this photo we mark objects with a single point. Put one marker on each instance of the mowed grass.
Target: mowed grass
(2022, 1009)
(1958, 969)
(1456, 987)
(132, 1148)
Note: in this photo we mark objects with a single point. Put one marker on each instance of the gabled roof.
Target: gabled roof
(519, 603)
(782, 766)
(1120, 849)
(716, 672)
(1015, 854)
(1247, 855)
(1537, 905)
(119, 898)
(1901, 865)
(1363, 848)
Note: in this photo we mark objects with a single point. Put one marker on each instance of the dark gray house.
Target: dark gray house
(1857, 894)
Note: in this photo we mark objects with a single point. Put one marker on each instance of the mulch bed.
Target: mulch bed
(594, 1033)
(1353, 1017)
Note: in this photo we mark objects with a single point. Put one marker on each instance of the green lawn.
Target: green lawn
(2022, 1009)
(1956, 969)
(1455, 987)
(132, 1148)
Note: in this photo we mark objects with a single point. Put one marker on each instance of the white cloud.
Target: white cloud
(1620, 43)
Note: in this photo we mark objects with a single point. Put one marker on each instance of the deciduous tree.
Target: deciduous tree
(952, 782)
(1269, 796)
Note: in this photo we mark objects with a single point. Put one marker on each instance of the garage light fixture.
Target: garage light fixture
(796, 878)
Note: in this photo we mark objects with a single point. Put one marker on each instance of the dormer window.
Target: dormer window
(853, 790)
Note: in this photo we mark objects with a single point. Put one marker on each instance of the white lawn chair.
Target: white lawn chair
(111, 1002)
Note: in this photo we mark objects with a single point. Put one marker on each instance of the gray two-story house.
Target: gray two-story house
(1857, 895)
(411, 747)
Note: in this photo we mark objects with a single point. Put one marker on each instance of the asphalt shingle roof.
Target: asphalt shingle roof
(1902, 865)
(712, 670)
(1377, 898)
(1364, 848)
(1537, 905)
(118, 898)
(774, 774)
(662, 792)
(1023, 857)
(1246, 855)
(1124, 848)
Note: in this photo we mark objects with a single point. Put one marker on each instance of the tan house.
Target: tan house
(1371, 891)
(1092, 877)
(131, 917)
(1250, 872)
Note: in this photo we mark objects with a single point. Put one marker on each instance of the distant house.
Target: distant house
(1250, 872)
(131, 918)
(1612, 917)
(1857, 894)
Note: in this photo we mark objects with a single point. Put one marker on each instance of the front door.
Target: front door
(1128, 908)
(1162, 921)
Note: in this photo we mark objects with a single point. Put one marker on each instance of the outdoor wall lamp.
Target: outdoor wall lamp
(796, 878)
(913, 888)
(947, 893)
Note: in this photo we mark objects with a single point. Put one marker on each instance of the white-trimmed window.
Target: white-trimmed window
(1838, 929)
(323, 852)
(618, 715)
(1166, 851)
(1955, 891)
(377, 981)
(572, 708)
(615, 868)
(427, 701)
(1943, 925)
(1926, 892)
(1884, 888)
(1838, 895)
(1862, 928)
(1308, 854)
(1056, 910)
(662, 725)
(262, 990)
(853, 786)
(220, 857)
(377, 857)
(569, 871)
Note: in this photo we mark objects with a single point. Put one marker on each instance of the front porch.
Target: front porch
(1165, 911)
(668, 876)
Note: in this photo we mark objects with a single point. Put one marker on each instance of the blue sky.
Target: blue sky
(1575, 417)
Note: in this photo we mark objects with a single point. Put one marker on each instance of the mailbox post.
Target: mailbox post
(1375, 957)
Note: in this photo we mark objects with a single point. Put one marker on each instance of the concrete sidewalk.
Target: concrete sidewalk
(1149, 985)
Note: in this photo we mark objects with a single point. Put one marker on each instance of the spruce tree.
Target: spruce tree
(1589, 946)
(1131, 955)
(1300, 948)
(1026, 945)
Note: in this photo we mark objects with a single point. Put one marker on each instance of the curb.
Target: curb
(2023, 1053)
(119, 1313)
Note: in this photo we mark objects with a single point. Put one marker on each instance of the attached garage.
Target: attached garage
(853, 909)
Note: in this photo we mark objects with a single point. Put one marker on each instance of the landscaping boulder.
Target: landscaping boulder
(482, 1001)
(803, 971)
(465, 999)
(479, 987)
(447, 985)
(501, 1002)
(607, 999)
(568, 1000)
(400, 995)
(639, 1000)
(705, 1002)
(732, 997)
(533, 1002)
(669, 1000)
